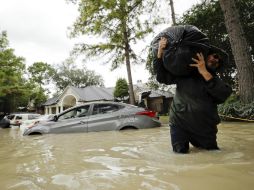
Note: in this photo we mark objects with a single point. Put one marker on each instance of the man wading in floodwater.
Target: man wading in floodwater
(193, 112)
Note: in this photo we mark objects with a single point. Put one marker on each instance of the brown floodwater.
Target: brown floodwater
(125, 160)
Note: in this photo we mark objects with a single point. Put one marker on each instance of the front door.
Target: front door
(104, 117)
(75, 120)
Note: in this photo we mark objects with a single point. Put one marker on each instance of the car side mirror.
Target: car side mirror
(55, 118)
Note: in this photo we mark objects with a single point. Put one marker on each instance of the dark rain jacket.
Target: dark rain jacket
(194, 106)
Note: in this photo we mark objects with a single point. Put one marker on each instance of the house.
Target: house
(155, 100)
(72, 96)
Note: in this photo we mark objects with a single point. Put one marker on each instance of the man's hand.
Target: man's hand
(200, 64)
(162, 44)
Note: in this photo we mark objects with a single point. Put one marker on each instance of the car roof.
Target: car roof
(101, 102)
(98, 102)
(24, 114)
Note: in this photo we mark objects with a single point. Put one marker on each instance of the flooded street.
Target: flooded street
(128, 160)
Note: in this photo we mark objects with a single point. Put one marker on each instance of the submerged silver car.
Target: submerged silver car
(97, 116)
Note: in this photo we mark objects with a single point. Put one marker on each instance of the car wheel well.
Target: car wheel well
(128, 128)
(35, 133)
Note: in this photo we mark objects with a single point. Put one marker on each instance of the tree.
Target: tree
(240, 49)
(121, 89)
(12, 69)
(173, 16)
(38, 96)
(41, 73)
(118, 23)
(68, 74)
(33, 96)
(15, 90)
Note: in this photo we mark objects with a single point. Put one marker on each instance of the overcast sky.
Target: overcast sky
(37, 31)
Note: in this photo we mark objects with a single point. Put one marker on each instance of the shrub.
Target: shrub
(234, 108)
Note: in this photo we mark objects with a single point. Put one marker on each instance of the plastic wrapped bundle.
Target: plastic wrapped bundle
(184, 42)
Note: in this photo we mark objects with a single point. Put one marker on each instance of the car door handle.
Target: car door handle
(82, 122)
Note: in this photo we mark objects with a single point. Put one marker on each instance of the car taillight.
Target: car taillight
(147, 113)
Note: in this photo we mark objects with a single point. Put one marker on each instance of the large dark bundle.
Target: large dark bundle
(184, 42)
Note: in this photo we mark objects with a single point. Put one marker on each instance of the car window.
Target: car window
(105, 108)
(83, 111)
(77, 112)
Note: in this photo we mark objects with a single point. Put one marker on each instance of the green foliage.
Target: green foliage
(32, 97)
(121, 89)
(41, 73)
(39, 96)
(11, 68)
(234, 108)
(11, 75)
(117, 23)
(116, 26)
(68, 74)
(15, 90)
(3, 40)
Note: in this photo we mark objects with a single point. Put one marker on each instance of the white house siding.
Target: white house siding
(66, 100)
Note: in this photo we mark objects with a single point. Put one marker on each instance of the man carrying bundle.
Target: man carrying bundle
(193, 112)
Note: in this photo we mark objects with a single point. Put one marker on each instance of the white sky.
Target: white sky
(37, 31)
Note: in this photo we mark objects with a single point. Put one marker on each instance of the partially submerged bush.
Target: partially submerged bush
(234, 108)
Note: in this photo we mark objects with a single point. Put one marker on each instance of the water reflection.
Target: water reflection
(139, 160)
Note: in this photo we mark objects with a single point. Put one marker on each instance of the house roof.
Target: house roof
(87, 94)
(51, 101)
(95, 93)
(92, 93)
(159, 93)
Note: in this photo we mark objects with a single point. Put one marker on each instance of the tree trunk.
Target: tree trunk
(128, 66)
(173, 16)
(240, 49)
